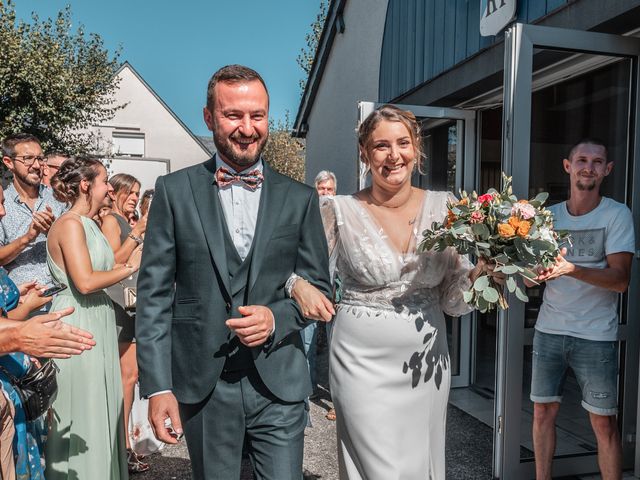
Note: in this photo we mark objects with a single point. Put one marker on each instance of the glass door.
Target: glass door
(561, 86)
(449, 140)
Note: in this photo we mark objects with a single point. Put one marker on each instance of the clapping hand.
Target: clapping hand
(135, 258)
(41, 223)
(47, 336)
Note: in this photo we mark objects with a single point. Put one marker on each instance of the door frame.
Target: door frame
(520, 41)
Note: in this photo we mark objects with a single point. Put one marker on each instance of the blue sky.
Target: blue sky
(176, 46)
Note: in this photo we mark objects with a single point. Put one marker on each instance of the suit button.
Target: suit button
(228, 307)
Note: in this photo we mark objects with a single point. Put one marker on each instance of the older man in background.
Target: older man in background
(325, 183)
(54, 160)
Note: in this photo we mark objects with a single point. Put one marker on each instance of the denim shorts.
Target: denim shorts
(594, 363)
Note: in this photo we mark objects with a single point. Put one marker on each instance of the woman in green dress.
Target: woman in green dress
(86, 440)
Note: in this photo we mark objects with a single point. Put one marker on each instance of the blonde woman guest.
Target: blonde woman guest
(86, 439)
(389, 359)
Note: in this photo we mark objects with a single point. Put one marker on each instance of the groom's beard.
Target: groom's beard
(231, 152)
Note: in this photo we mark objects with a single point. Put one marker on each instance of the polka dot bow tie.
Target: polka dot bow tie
(251, 179)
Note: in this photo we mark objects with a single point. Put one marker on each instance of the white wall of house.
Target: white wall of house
(146, 128)
(350, 75)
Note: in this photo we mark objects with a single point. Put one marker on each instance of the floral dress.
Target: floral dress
(29, 439)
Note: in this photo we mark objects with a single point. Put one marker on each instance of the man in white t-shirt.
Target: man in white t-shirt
(578, 321)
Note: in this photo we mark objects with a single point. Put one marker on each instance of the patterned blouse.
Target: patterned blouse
(30, 437)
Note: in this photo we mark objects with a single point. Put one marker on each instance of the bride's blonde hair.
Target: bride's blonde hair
(391, 113)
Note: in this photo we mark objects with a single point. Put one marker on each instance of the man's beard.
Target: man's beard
(586, 187)
(28, 181)
(242, 159)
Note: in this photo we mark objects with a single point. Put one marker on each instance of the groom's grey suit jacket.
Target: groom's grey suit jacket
(185, 293)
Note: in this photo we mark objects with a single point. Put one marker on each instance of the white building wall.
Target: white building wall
(164, 136)
(351, 75)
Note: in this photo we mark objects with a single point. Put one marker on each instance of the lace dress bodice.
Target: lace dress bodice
(374, 273)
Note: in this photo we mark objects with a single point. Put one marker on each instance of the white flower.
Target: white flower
(525, 210)
(546, 234)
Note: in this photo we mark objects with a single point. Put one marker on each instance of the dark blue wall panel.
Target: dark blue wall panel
(423, 38)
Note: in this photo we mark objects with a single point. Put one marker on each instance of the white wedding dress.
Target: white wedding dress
(389, 361)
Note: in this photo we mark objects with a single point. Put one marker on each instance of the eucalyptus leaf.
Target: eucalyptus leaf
(490, 294)
(511, 284)
(509, 269)
(542, 197)
(467, 296)
(481, 283)
(482, 304)
(521, 295)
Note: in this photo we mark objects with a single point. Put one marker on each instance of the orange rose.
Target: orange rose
(506, 230)
(523, 201)
(451, 217)
(514, 222)
(464, 201)
(523, 228)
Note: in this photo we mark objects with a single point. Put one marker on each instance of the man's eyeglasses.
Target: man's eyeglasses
(29, 160)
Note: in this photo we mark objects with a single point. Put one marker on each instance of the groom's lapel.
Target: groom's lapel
(272, 200)
(205, 195)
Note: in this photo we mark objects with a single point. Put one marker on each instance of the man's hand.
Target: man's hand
(47, 336)
(254, 327)
(41, 223)
(161, 407)
(312, 302)
(561, 267)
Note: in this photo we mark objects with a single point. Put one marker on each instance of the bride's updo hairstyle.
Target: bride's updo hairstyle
(391, 113)
(66, 182)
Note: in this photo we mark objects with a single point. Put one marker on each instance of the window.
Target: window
(128, 144)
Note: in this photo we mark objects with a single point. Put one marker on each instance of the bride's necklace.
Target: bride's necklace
(378, 203)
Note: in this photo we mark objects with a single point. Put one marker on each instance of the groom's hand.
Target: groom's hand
(161, 407)
(255, 326)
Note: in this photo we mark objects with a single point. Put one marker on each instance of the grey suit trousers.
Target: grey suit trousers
(240, 405)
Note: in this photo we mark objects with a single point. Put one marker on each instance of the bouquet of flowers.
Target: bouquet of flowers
(515, 235)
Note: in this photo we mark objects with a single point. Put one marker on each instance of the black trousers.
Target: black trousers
(239, 406)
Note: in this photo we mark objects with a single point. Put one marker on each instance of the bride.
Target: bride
(389, 359)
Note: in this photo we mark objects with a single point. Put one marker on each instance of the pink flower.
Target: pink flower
(524, 210)
(477, 217)
(485, 199)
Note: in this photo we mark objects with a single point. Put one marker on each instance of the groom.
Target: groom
(219, 349)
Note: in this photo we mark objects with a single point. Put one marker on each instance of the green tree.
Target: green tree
(54, 82)
(308, 53)
(283, 152)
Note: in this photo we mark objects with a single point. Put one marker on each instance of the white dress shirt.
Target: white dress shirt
(240, 206)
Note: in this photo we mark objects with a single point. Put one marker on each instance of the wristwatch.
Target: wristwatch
(138, 240)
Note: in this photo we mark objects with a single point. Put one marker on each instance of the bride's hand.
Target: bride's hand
(483, 267)
(312, 302)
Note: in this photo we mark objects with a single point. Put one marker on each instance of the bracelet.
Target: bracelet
(138, 240)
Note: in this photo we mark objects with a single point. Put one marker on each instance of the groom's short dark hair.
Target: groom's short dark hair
(231, 74)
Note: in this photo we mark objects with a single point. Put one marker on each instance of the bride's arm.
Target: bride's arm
(313, 303)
